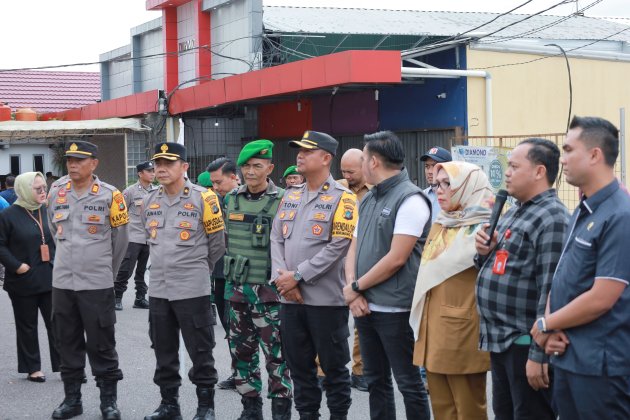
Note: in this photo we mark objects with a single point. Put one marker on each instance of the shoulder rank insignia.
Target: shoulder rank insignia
(95, 189)
(186, 191)
(326, 187)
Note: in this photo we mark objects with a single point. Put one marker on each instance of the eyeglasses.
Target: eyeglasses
(443, 185)
(40, 190)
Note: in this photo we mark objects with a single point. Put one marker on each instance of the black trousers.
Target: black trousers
(512, 396)
(136, 253)
(194, 318)
(84, 322)
(308, 331)
(386, 342)
(583, 397)
(25, 310)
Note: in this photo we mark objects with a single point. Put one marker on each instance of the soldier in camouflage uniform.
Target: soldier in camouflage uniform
(254, 304)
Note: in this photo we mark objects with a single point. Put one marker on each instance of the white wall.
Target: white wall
(26, 152)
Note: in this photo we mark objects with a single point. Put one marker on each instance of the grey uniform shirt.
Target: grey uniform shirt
(311, 233)
(90, 233)
(185, 236)
(134, 195)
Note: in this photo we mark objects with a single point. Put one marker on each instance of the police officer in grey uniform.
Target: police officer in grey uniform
(310, 237)
(184, 228)
(89, 218)
(137, 250)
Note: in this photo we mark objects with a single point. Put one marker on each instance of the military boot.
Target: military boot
(281, 408)
(205, 408)
(118, 304)
(71, 405)
(252, 408)
(169, 406)
(109, 408)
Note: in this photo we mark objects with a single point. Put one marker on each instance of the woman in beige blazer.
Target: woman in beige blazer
(444, 313)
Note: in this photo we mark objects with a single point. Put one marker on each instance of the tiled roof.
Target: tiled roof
(328, 20)
(49, 91)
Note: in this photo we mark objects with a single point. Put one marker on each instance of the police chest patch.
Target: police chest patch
(184, 235)
(153, 233)
(326, 198)
(92, 229)
(317, 230)
(285, 229)
(239, 217)
(189, 206)
(154, 206)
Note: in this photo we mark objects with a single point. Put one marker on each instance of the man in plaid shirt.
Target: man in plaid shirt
(514, 279)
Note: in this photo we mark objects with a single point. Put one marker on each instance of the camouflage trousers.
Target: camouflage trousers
(251, 326)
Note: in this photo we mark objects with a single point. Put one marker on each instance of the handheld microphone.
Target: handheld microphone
(499, 202)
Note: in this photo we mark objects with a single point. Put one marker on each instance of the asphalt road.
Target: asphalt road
(137, 395)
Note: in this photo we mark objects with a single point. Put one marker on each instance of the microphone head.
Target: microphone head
(501, 196)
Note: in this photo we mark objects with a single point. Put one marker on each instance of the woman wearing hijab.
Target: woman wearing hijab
(444, 314)
(27, 251)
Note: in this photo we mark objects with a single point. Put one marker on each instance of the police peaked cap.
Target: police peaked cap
(316, 140)
(82, 150)
(169, 151)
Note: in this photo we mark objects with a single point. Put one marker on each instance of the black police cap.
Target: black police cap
(81, 150)
(316, 140)
(169, 151)
(144, 166)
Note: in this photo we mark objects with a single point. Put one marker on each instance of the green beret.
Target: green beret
(291, 170)
(204, 179)
(260, 149)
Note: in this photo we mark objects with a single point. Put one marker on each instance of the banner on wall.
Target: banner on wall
(492, 160)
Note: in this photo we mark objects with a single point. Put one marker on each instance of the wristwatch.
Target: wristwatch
(541, 325)
(297, 276)
(355, 286)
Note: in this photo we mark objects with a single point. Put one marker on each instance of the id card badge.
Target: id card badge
(43, 249)
(500, 260)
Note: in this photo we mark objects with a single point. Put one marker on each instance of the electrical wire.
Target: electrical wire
(552, 55)
(542, 28)
(120, 60)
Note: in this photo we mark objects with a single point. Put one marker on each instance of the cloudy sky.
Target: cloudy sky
(45, 33)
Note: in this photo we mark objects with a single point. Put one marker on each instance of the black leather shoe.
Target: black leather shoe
(169, 407)
(71, 405)
(309, 416)
(118, 304)
(141, 303)
(359, 383)
(229, 383)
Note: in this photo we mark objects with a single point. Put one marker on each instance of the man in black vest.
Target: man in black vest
(381, 269)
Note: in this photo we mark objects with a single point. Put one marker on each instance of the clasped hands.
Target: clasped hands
(356, 302)
(287, 286)
(555, 342)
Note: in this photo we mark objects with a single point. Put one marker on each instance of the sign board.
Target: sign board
(492, 160)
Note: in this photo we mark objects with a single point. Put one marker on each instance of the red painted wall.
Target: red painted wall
(283, 120)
